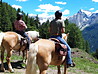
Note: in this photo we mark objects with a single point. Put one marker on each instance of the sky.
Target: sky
(47, 8)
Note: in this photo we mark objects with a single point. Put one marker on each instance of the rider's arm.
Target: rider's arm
(22, 23)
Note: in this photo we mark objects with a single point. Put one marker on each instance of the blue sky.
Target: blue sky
(46, 8)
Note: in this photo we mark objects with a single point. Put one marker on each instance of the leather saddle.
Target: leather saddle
(61, 49)
(23, 41)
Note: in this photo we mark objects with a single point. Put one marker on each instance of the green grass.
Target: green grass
(86, 65)
(13, 57)
(16, 57)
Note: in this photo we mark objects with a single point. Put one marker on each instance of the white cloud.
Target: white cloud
(96, 11)
(47, 8)
(91, 9)
(66, 12)
(32, 15)
(16, 6)
(40, 10)
(40, 0)
(63, 3)
(43, 15)
(21, 0)
(95, 0)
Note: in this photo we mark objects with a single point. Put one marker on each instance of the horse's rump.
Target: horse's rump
(44, 55)
(10, 39)
(48, 48)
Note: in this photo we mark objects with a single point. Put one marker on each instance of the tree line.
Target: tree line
(8, 16)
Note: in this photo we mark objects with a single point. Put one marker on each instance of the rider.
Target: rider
(57, 27)
(20, 28)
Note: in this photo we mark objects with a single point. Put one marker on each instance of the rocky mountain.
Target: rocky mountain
(90, 34)
(88, 23)
(84, 18)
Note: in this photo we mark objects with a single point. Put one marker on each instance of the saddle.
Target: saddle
(22, 41)
(61, 49)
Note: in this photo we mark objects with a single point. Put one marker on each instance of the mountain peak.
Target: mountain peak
(84, 18)
(88, 13)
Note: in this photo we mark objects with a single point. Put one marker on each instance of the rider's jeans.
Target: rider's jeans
(69, 59)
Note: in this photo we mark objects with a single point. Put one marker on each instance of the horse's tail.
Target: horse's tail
(31, 60)
(1, 37)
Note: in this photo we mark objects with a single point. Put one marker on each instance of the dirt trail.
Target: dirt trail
(50, 71)
(18, 68)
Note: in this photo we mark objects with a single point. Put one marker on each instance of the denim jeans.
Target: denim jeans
(69, 59)
(22, 33)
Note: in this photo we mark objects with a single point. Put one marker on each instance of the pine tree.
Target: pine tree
(43, 29)
(66, 24)
(87, 48)
(5, 21)
(37, 23)
(75, 39)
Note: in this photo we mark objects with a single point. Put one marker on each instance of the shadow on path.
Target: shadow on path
(16, 64)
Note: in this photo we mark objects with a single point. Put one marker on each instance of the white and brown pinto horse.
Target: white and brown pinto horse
(11, 41)
(42, 54)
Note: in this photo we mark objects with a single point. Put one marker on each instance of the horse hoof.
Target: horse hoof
(11, 71)
(2, 70)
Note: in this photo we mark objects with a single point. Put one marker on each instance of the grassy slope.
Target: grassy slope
(84, 62)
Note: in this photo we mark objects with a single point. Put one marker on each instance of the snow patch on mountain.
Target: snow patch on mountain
(84, 18)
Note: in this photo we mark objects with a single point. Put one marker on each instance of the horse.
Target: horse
(10, 41)
(42, 54)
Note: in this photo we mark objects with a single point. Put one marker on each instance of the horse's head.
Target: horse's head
(65, 36)
(33, 35)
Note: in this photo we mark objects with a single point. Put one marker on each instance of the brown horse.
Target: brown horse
(42, 54)
(11, 41)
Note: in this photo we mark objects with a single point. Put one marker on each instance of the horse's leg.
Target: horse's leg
(2, 58)
(43, 71)
(65, 68)
(24, 56)
(43, 67)
(9, 53)
(59, 72)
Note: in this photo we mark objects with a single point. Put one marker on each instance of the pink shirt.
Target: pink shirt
(20, 25)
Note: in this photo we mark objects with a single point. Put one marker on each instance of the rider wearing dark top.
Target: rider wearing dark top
(57, 27)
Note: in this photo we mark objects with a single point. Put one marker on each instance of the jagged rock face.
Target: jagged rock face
(84, 18)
